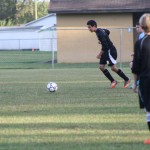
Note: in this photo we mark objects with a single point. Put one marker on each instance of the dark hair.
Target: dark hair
(92, 23)
(137, 23)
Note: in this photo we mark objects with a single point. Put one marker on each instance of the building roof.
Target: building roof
(42, 18)
(98, 6)
(19, 28)
(25, 29)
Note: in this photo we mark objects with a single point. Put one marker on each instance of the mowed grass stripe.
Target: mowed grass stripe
(84, 114)
(65, 82)
(109, 118)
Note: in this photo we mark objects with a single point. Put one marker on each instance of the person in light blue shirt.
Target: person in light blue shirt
(140, 31)
(141, 35)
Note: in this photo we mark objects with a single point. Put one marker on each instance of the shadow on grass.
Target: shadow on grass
(74, 146)
(69, 125)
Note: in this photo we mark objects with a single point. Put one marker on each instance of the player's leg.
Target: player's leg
(141, 101)
(112, 58)
(144, 87)
(121, 74)
(108, 75)
(148, 119)
(148, 123)
(106, 72)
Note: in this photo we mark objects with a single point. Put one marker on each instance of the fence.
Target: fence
(79, 45)
(24, 40)
(74, 45)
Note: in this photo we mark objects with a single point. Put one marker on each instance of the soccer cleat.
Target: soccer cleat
(113, 84)
(147, 141)
(126, 83)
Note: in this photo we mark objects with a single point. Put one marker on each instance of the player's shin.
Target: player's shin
(148, 120)
(108, 75)
(122, 75)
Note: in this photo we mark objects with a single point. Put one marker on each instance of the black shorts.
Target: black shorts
(144, 93)
(109, 59)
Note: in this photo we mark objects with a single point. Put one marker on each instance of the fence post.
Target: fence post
(120, 48)
(52, 49)
(19, 45)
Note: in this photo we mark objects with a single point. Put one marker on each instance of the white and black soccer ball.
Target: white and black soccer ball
(52, 87)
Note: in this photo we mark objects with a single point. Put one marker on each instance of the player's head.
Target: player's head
(92, 25)
(145, 22)
(138, 28)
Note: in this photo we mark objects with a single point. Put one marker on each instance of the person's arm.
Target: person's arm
(136, 64)
(103, 39)
(132, 54)
(135, 76)
(100, 54)
(136, 59)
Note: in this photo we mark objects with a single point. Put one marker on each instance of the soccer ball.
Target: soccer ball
(52, 87)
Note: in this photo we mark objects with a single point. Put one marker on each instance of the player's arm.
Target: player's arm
(103, 38)
(107, 31)
(132, 54)
(135, 76)
(100, 54)
(136, 64)
(136, 59)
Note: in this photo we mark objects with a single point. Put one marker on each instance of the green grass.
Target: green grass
(83, 114)
(26, 59)
(38, 60)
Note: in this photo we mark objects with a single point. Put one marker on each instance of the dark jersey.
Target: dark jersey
(141, 60)
(103, 37)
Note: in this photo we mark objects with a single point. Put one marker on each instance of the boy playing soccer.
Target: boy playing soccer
(108, 54)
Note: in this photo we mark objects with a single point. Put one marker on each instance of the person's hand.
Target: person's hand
(99, 42)
(134, 88)
(98, 56)
(131, 64)
(132, 54)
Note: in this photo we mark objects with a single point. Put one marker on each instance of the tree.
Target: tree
(42, 9)
(8, 9)
(15, 12)
(26, 10)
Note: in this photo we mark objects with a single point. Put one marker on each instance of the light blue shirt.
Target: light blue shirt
(141, 35)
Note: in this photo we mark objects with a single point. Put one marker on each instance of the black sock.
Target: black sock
(148, 123)
(122, 75)
(108, 75)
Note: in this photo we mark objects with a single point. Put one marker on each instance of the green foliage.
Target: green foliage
(25, 12)
(9, 22)
(42, 8)
(7, 9)
(21, 11)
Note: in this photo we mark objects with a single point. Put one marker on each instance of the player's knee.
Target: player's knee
(113, 68)
(101, 68)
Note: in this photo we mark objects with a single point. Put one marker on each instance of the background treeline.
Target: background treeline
(16, 12)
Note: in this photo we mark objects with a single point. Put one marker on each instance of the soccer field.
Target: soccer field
(84, 114)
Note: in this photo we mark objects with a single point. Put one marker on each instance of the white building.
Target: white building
(38, 34)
